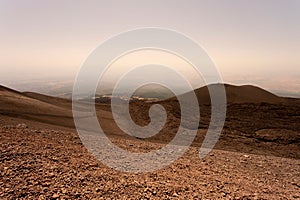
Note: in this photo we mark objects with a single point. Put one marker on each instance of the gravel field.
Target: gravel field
(53, 164)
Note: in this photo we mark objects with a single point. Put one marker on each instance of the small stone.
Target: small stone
(46, 184)
(77, 195)
(55, 196)
(22, 126)
(296, 184)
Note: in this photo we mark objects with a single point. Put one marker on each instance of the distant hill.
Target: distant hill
(235, 94)
(241, 94)
(154, 91)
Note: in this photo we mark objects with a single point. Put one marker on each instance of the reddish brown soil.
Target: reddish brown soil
(257, 156)
(49, 164)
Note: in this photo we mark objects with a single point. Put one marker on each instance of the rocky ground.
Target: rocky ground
(257, 155)
(53, 164)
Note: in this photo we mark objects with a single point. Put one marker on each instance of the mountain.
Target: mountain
(240, 94)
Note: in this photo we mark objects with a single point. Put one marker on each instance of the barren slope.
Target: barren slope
(240, 94)
(45, 162)
(18, 105)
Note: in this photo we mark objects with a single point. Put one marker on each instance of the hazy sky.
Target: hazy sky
(255, 41)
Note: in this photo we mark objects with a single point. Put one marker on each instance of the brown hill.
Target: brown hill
(35, 107)
(49, 99)
(241, 94)
(55, 110)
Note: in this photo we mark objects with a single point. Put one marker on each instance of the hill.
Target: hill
(35, 107)
(241, 94)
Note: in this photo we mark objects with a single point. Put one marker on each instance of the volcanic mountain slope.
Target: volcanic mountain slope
(257, 121)
(49, 99)
(35, 107)
(29, 102)
(44, 161)
(241, 94)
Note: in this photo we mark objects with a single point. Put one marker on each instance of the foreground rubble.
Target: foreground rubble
(53, 164)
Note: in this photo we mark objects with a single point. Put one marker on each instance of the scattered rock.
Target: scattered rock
(55, 196)
(64, 191)
(22, 126)
(45, 168)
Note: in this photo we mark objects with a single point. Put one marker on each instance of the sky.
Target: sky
(251, 42)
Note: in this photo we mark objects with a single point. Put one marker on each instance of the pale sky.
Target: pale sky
(255, 41)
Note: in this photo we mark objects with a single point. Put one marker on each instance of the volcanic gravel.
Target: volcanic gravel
(53, 164)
